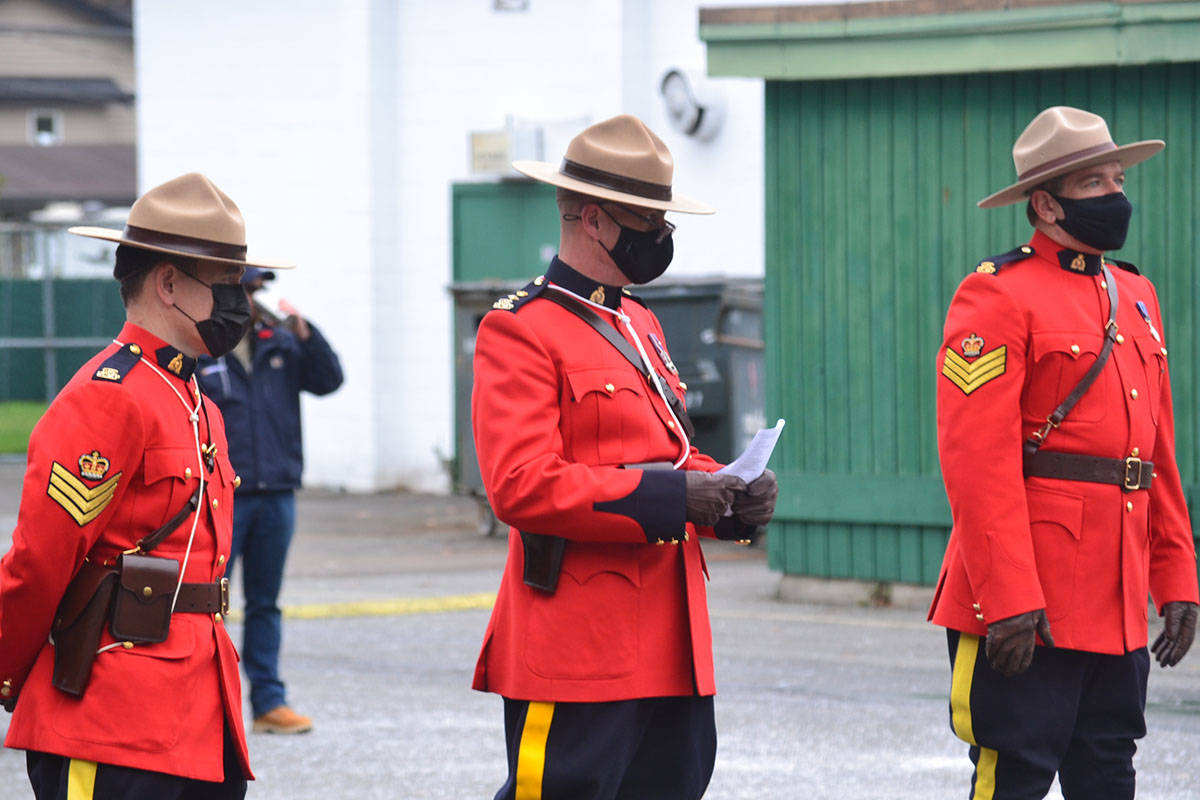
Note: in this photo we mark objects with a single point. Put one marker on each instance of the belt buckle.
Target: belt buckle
(224, 584)
(1134, 465)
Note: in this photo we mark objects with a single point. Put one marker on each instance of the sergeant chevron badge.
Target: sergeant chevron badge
(970, 375)
(84, 503)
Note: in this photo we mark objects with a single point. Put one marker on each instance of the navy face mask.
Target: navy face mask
(1100, 222)
(229, 321)
(642, 255)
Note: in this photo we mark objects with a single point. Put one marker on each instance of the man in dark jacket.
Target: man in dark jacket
(258, 390)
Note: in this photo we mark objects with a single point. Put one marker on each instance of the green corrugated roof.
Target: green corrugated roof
(929, 37)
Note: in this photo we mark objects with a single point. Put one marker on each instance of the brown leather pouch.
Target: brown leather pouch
(142, 612)
(78, 624)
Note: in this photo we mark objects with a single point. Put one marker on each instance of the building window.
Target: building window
(45, 127)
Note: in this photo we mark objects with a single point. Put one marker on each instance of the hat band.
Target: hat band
(186, 244)
(611, 180)
(1067, 159)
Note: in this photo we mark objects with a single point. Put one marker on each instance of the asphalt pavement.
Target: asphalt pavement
(387, 598)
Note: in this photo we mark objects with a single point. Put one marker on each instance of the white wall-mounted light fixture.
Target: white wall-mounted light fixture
(695, 105)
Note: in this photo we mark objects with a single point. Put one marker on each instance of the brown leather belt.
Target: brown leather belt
(203, 598)
(1130, 473)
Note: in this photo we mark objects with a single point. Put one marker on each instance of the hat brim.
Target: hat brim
(1128, 155)
(113, 235)
(549, 173)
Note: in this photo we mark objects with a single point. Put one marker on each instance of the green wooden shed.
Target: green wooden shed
(885, 122)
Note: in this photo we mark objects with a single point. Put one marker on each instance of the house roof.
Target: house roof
(87, 91)
(32, 176)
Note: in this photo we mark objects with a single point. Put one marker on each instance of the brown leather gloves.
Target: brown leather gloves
(756, 505)
(709, 494)
(1010, 641)
(1179, 629)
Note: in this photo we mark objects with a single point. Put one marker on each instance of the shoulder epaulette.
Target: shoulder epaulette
(990, 266)
(634, 298)
(1125, 265)
(522, 296)
(117, 366)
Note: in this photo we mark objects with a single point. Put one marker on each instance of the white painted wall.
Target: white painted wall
(338, 128)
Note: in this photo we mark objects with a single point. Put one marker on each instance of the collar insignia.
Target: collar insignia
(597, 295)
(93, 466)
(175, 362)
(1082, 263)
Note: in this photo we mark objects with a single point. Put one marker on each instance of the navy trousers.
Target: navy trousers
(263, 523)
(60, 778)
(661, 748)
(1073, 713)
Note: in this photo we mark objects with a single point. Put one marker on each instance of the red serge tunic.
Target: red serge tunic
(557, 411)
(1020, 334)
(113, 458)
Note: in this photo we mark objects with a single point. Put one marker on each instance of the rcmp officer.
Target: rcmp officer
(1056, 437)
(124, 532)
(599, 640)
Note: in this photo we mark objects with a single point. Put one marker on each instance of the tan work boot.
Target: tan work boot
(282, 719)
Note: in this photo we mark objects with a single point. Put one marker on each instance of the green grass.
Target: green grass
(17, 418)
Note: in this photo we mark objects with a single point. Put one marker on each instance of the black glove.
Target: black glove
(1010, 641)
(756, 505)
(709, 495)
(1179, 629)
(8, 702)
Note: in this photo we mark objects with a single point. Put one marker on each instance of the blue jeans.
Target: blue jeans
(263, 523)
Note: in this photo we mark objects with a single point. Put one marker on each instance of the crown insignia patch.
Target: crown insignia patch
(176, 364)
(972, 346)
(93, 466)
(970, 375)
(1079, 263)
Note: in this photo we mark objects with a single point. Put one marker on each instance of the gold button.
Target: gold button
(147, 591)
(608, 387)
(682, 386)
(522, 293)
(1026, 249)
(217, 616)
(187, 473)
(215, 504)
(1153, 474)
(6, 689)
(133, 348)
(539, 280)
(976, 607)
(685, 536)
(671, 424)
(660, 541)
(1134, 453)
(220, 559)
(1129, 505)
(1133, 393)
(1103, 284)
(987, 265)
(237, 481)
(127, 645)
(1163, 350)
(1075, 349)
(1120, 338)
(979, 617)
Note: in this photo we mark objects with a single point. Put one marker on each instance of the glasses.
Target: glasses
(663, 227)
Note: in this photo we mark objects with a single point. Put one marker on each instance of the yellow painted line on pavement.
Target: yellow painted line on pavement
(394, 607)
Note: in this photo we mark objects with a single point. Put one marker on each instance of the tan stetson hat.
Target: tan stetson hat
(186, 216)
(621, 160)
(1062, 139)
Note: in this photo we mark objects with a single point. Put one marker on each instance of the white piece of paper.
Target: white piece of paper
(753, 460)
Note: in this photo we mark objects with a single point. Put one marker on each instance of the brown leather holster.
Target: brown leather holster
(78, 625)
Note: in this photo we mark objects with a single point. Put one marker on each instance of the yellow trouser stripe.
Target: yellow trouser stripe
(960, 686)
(531, 758)
(81, 780)
(985, 774)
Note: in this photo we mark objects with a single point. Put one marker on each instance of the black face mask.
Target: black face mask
(1099, 222)
(642, 255)
(229, 320)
